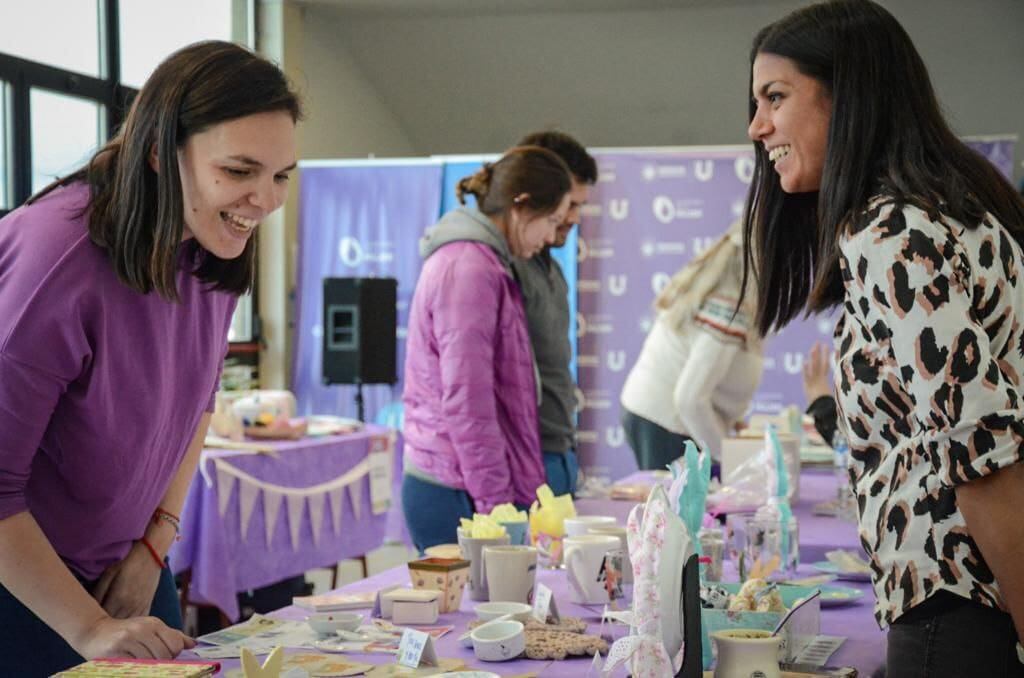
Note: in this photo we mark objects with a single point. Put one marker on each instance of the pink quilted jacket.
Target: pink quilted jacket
(470, 391)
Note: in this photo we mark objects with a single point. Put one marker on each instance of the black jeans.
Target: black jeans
(655, 447)
(950, 636)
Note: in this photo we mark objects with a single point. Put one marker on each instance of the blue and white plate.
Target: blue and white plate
(834, 596)
(831, 568)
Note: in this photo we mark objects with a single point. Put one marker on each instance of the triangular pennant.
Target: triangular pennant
(225, 481)
(296, 502)
(355, 494)
(316, 514)
(247, 493)
(337, 497)
(271, 504)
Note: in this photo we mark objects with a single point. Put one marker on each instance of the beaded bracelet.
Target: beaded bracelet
(169, 518)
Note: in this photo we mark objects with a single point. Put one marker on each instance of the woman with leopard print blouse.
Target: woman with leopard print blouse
(863, 197)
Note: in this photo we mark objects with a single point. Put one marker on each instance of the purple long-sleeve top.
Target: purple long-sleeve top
(101, 387)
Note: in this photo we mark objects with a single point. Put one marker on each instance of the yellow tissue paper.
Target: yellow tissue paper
(481, 527)
(508, 513)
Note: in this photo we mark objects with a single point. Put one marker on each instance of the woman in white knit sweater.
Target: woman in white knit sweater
(701, 361)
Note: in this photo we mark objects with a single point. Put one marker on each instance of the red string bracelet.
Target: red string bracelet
(152, 551)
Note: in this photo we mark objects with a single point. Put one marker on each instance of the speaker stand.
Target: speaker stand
(359, 402)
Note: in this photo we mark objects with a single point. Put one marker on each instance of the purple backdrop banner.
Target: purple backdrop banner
(650, 213)
(357, 219)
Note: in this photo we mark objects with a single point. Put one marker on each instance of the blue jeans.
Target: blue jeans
(30, 648)
(561, 469)
(655, 447)
(432, 511)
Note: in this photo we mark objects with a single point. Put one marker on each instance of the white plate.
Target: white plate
(831, 568)
(834, 596)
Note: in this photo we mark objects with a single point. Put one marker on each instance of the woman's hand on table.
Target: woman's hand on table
(137, 638)
(126, 588)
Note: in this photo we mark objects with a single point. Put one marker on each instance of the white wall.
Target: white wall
(460, 83)
(346, 116)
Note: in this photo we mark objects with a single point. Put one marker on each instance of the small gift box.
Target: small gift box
(410, 606)
(447, 575)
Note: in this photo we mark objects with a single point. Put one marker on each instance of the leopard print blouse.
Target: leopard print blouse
(930, 354)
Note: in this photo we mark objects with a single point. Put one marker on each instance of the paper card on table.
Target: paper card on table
(818, 651)
(378, 605)
(544, 605)
(416, 648)
(380, 479)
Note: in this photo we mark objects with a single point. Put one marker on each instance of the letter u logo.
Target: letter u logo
(616, 360)
(704, 169)
(614, 436)
(793, 362)
(617, 284)
(618, 209)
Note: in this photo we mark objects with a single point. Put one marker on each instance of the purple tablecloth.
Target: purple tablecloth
(222, 562)
(864, 648)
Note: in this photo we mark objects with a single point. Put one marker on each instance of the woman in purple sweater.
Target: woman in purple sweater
(472, 436)
(117, 286)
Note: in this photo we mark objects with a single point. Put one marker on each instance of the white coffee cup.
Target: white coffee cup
(580, 525)
(619, 532)
(511, 573)
(472, 550)
(584, 564)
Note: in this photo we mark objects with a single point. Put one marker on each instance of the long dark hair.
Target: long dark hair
(522, 169)
(137, 215)
(887, 137)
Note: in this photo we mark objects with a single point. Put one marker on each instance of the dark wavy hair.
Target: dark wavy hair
(522, 169)
(137, 215)
(581, 164)
(887, 136)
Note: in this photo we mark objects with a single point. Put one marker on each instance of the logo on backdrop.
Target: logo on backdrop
(581, 325)
(354, 254)
(617, 284)
(793, 362)
(652, 172)
(650, 248)
(744, 167)
(616, 360)
(704, 169)
(350, 252)
(666, 211)
(702, 245)
(658, 281)
(581, 400)
(614, 436)
(618, 209)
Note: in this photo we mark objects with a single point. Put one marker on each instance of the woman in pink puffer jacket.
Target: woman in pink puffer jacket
(471, 430)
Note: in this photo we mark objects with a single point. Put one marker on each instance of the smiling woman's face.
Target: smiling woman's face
(792, 120)
(232, 176)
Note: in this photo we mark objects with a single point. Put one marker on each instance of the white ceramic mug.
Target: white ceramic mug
(472, 548)
(584, 564)
(747, 652)
(580, 525)
(511, 573)
(619, 532)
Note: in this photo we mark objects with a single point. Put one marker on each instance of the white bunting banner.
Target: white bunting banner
(271, 503)
(337, 497)
(225, 481)
(246, 501)
(355, 494)
(296, 502)
(316, 514)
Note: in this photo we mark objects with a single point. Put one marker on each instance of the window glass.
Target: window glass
(151, 30)
(70, 40)
(65, 132)
(5, 148)
(241, 323)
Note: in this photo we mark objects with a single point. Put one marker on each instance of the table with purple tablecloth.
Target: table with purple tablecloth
(864, 648)
(254, 519)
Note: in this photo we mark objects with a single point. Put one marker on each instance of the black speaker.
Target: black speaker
(360, 321)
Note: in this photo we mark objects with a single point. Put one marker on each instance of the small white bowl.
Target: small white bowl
(500, 641)
(326, 623)
(520, 611)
